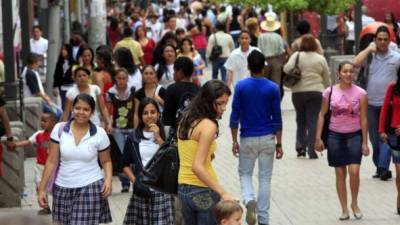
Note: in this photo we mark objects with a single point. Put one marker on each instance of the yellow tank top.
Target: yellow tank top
(187, 151)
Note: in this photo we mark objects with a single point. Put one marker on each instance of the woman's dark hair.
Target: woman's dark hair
(303, 27)
(308, 43)
(342, 64)
(123, 57)
(158, 50)
(147, 101)
(114, 24)
(198, 24)
(81, 68)
(136, 32)
(202, 107)
(104, 52)
(70, 58)
(190, 43)
(162, 65)
(85, 98)
(82, 49)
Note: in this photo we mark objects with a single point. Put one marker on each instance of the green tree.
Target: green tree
(327, 7)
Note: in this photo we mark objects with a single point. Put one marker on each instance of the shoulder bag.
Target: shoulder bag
(327, 121)
(293, 77)
(216, 50)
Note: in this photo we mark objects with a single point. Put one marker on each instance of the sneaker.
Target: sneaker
(312, 155)
(45, 211)
(386, 175)
(251, 212)
(125, 190)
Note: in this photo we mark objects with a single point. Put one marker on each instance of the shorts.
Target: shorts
(38, 174)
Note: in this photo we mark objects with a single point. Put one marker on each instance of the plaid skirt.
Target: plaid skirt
(156, 210)
(85, 205)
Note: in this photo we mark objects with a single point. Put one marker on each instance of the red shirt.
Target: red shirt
(41, 141)
(395, 123)
(148, 50)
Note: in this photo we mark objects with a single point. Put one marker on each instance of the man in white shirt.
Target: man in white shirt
(365, 18)
(39, 45)
(236, 65)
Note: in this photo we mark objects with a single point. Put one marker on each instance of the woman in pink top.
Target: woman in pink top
(347, 136)
(198, 33)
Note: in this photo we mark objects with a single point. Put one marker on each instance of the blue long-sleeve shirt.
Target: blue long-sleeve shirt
(256, 106)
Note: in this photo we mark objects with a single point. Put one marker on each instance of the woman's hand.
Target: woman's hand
(229, 197)
(109, 128)
(42, 199)
(155, 129)
(319, 145)
(384, 137)
(107, 187)
(365, 149)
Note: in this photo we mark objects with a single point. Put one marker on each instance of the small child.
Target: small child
(228, 213)
(41, 140)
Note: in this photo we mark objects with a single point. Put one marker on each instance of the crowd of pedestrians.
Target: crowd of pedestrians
(148, 84)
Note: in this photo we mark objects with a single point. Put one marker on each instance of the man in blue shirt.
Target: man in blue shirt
(256, 107)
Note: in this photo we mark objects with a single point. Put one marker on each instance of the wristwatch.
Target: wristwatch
(10, 138)
(278, 145)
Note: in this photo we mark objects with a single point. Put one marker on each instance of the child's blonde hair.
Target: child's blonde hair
(225, 209)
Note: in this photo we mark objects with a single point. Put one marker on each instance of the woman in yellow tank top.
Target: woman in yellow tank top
(199, 189)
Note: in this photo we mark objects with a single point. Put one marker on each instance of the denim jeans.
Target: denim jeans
(197, 204)
(373, 125)
(384, 156)
(218, 64)
(251, 148)
(120, 138)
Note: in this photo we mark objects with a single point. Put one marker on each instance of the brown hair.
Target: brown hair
(308, 43)
(225, 209)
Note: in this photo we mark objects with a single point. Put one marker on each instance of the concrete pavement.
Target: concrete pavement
(303, 190)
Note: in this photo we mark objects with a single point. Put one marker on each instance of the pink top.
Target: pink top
(199, 41)
(345, 106)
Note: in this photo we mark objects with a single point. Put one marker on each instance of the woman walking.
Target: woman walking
(389, 127)
(199, 190)
(347, 136)
(75, 148)
(306, 95)
(146, 206)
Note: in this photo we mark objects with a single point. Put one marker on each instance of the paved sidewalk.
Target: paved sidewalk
(303, 191)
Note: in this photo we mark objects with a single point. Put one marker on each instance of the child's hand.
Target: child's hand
(11, 145)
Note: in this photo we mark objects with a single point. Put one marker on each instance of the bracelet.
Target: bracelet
(10, 138)
(278, 145)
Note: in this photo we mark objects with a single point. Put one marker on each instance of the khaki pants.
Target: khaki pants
(274, 69)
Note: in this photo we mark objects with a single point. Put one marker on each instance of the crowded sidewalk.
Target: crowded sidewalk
(303, 190)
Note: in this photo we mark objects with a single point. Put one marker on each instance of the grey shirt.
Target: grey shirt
(382, 71)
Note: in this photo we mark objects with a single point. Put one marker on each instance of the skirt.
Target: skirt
(156, 210)
(83, 205)
(344, 149)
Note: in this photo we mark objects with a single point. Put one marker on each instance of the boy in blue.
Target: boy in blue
(256, 106)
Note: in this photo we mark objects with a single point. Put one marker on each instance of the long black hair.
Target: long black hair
(81, 50)
(123, 57)
(104, 53)
(147, 101)
(202, 107)
(162, 65)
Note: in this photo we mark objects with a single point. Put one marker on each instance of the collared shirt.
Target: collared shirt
(133, 46)
(237, 63)
(382, 71)
(271, 44)
(78, 165)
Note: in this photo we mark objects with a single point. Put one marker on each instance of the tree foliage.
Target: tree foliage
(326, 7)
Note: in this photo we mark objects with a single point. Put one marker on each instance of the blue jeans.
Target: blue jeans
(120, 138)
(373, 126)
(251, 148)
(197, 204)
(218, 64)
(384, 156)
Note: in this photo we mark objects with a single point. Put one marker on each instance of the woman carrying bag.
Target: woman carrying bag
(146, 206)
(347, 135)
(389, 127)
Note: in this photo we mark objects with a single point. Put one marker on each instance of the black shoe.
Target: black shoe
(301, 153)
(398, 211)
(125, 190)
(386, 175)
(44, 211)
(376, 175)
(312, 155)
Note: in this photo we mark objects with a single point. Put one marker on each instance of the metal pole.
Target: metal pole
(43, 17)
(98, 23)
(67, 27)
(357, 24)
(8, 41)
(25, 21)
(54, 40)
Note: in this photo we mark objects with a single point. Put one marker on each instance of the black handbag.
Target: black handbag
(216, 50)
(327, 121)
(161, 172)
(362, 78)
(293, 77)
(138, 188)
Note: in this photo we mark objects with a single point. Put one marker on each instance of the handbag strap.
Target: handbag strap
(215, 38)
(297, 60)
(136, 152)
(329, 99)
